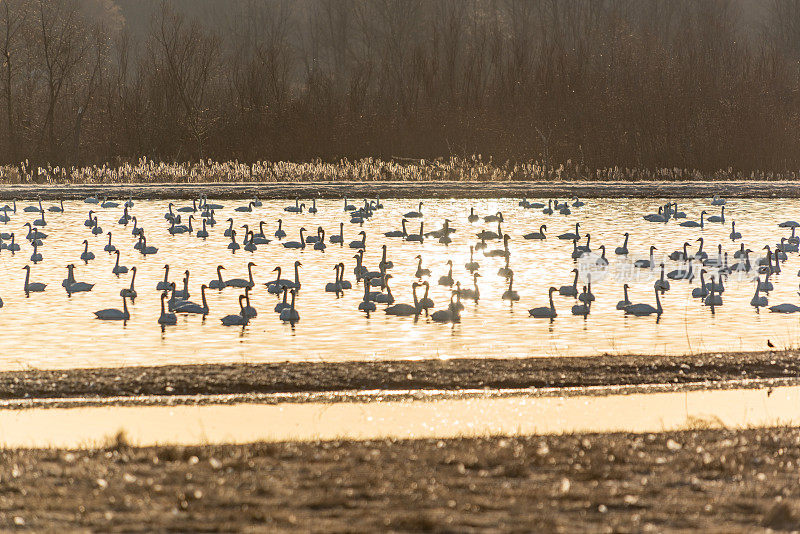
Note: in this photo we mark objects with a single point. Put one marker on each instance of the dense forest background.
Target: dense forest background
(639, 83)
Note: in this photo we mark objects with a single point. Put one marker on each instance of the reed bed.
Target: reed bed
(455, 169)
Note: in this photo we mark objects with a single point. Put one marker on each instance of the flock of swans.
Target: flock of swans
(198, 220)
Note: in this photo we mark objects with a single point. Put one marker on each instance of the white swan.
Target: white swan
(280, 233)
(405, 310)
(86, 256)
(537, 235)
(702, 291)
(649, 263)
(238, 319)
(582, 309)
(129, 292)
(380, 297)
(420, 272)
(218, 283)
(643, 309)
(359, 243)
(114, 314)
(241, 282)
(546, 312)
(682, 274)
(570, 290)
(718, 218)
(472, 265)
(447, 280)
(450, 315)
(166, 318)
(297, 244)
(118, 269)
(625, 302)
(758, 301)
(182, 294)
(509, 294)
(334, 287)
(73, 286)
(426, 303)
(36, 257)
(414, 214)
(290, 314)
(695, 224)
(734, 235)
(338, 238)
(248, 310)
(623, 250)
(713, 299)
(474, 293)
(366, 304)
(572, 236)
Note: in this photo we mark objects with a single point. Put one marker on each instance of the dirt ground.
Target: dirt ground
(427, 189)
(709, 480)
(455, 374)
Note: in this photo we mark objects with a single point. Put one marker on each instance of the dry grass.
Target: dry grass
(457, 169)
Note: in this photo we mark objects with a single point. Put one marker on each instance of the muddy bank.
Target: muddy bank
(717, 480)
(453, 374)
(439, 189)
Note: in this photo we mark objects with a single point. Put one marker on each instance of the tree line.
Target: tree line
(603, 83)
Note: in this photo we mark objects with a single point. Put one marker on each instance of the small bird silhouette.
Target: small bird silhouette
(770, 344)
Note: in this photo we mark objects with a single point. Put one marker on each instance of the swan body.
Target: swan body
(238, 319)
(643, 309)
(290, 314)
(537, 235)
(114, 314)
(623, 250)
(414, 214)
(548, 312)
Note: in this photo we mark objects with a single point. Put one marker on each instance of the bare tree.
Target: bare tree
(13, 18)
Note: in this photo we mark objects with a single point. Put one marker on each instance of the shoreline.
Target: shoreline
(396, 376)
(407, 190)
(694, 480)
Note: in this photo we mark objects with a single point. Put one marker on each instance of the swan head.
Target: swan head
(133, 269)
(250, 264)
(297, 263)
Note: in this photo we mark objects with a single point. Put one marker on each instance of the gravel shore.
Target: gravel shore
(702, 480)
(455, 374)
